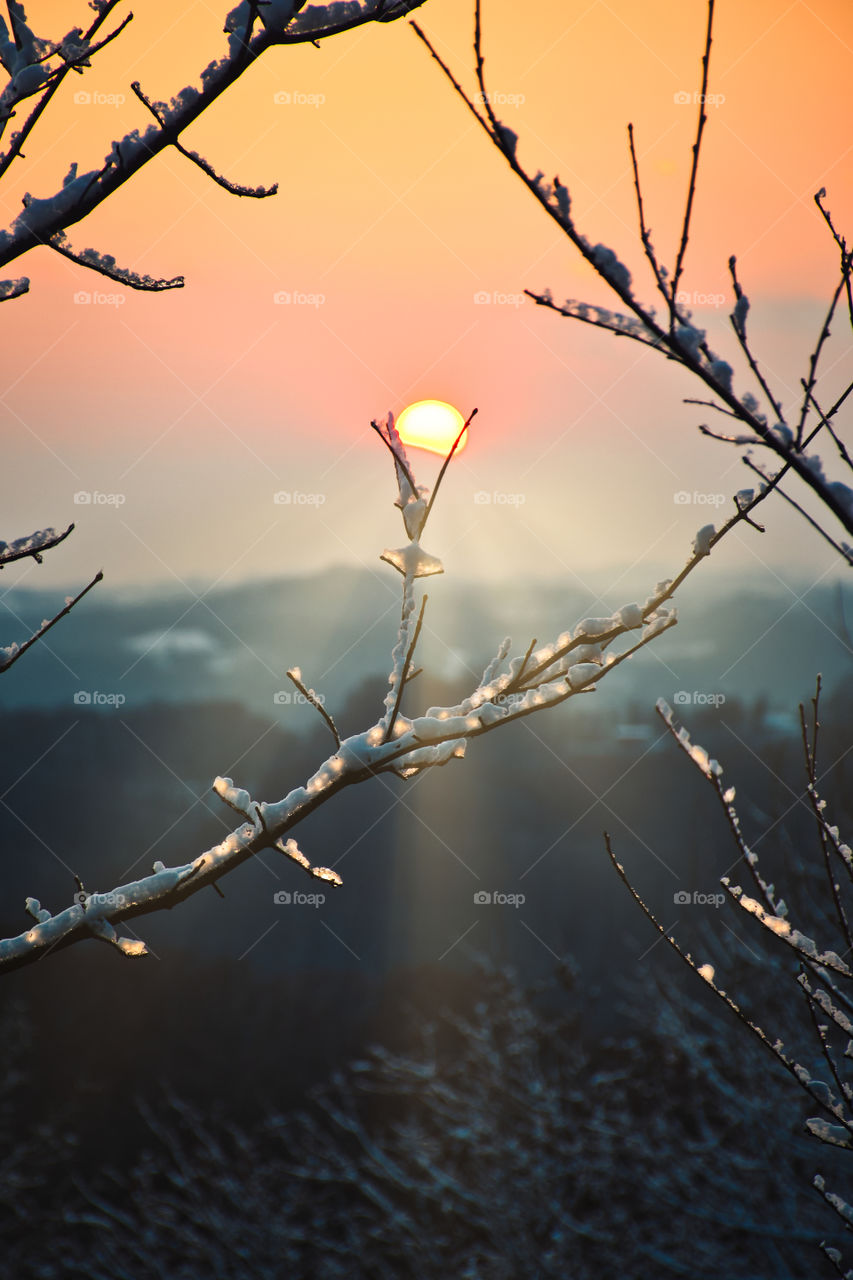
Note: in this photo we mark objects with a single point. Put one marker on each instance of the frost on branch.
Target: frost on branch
(105, 264)
(13, 288)
(21, 55)
(512, 686)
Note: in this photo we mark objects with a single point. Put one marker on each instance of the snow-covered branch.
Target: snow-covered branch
(823, 975)
(511, 688)
(34, 546)
(677, 336)
(37, 67)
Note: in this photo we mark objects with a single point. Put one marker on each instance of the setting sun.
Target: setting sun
(433, 425)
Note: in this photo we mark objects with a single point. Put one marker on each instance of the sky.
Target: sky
(182, 416)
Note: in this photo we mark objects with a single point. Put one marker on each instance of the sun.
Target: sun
(433, 425)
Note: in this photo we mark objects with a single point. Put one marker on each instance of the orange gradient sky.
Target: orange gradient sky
(394, 213)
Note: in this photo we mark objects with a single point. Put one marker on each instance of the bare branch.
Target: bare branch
(11, 653)
(445, 464)
(694, 170)
(310, 696)
(841, 548)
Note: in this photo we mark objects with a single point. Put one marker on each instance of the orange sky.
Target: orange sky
(393, 209)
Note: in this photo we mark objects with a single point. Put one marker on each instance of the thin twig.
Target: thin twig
(691, 190)
(444, 467)
(645, 234)
(310, 696)
(43, 630)
(401, 684)
(818, 528)
(53, 84)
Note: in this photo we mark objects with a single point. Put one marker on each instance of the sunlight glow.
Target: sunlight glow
(433, 425)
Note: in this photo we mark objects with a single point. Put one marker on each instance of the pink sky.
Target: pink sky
(394, 213)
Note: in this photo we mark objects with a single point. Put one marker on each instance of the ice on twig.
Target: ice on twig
(412, 561)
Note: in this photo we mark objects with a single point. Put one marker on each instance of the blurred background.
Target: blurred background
(213, 446)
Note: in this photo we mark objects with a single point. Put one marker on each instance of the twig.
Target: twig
(106, 266)
(444, 467)
(18, 551)
(234, 188)
(401, 684)
(691, 190)
(54, 83)
(43, 630)
(310, 696)
(645, 234)
(836, 546)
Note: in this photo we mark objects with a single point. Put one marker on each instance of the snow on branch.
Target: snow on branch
(678, 337)
(252, 28)
(512, 687)
(10, 653)
(13, 288)
(34, 544)
(72, 53)
(105, 265)
(823, 973)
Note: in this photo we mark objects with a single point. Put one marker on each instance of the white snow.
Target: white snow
(702, 541)
(609, 266)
